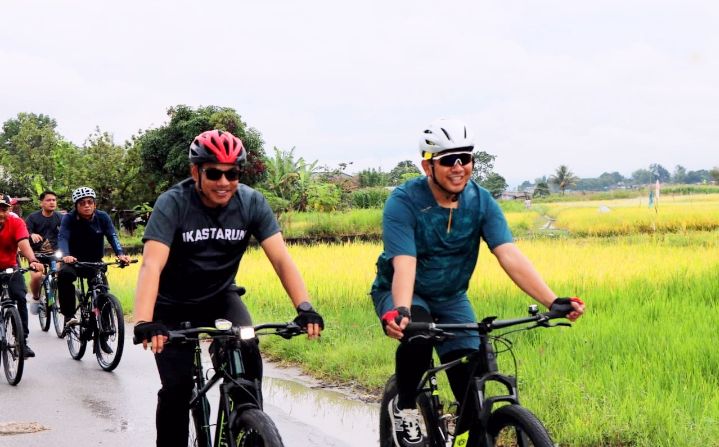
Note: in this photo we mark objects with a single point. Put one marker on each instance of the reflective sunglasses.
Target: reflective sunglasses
(450, 160)
(214, 174)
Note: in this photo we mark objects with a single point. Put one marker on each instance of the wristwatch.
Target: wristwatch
(305, 306)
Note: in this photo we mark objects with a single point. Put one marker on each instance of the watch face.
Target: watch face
(305, 306)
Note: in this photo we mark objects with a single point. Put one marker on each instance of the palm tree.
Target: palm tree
(563, 178)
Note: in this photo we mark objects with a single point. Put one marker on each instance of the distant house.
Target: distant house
(515, 195)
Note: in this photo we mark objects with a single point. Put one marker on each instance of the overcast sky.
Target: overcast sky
(612, 85)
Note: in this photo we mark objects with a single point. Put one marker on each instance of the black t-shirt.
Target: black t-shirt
(47, 227)
(206, 244)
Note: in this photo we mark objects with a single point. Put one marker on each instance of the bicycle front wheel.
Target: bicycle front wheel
(13, 345)
(55, 309)
(43, 314)
(111, 332)
(513, 425)
(253, 428)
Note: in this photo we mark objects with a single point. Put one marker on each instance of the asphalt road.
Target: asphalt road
(77, 404)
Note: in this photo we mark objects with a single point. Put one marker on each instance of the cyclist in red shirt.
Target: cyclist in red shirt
(14, 236)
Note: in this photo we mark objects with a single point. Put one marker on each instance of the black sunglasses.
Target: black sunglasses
(214, 174)
(449, 160)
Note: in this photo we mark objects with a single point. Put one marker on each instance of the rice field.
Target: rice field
(674, 214)
(641, 368)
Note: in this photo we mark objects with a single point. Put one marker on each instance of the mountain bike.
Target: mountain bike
(12, 332)
(240, 419)
(99, 315)
(485, 419)
(49, 308)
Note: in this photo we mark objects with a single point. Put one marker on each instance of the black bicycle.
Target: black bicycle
(100, 317)
(241, 422)
(12, 332)
(484, 420)
(49, 309)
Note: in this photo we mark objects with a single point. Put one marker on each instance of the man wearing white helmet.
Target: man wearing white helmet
(432, 227)
(81, 238)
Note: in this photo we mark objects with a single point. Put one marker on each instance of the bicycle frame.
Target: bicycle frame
(477, 406)
(237, 394)
(230, 371)
(90, 288)
(474, 414)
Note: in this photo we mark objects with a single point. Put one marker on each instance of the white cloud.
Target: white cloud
(600, 87)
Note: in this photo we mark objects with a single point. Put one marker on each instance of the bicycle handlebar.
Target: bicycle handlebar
(100, 264)
(284, 330)
(12, 270)
(490, 324)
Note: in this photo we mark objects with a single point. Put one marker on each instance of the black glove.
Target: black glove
(396, 314)
(563, 306)
(145, 330)
(306, 314)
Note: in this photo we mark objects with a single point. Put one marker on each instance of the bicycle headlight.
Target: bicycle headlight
(9, 270)
(247, 333)
(223, 324)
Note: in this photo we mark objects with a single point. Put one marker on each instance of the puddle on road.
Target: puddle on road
(353, 422)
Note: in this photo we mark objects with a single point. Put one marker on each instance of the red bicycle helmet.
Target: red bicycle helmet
(216, 146)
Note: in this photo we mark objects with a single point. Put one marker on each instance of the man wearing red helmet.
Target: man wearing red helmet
(194, 241)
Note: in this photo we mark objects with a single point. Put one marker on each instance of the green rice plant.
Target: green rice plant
(640, 368)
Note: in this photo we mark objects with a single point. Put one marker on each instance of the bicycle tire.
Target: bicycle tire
(514, 425)
(43, 315)
(13, 345)
(76, 336)
(254, 428)
(110, 337)
(386, 424)
(55, 309)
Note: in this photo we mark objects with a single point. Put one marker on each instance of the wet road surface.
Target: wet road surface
(80, 405)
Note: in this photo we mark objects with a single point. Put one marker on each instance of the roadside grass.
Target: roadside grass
(639, 369)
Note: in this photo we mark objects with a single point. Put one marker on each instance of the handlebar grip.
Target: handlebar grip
(559, 310)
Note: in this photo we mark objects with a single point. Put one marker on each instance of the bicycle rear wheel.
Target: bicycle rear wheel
(386, 422)
(110, 338)
(253, 428)
(56, 318)
(43, 313)
(76, 336)
(513, 425)
(13, 345)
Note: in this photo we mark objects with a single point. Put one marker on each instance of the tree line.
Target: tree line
(34, 157)
(564, 179)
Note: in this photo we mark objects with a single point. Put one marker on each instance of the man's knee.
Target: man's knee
(176, 394)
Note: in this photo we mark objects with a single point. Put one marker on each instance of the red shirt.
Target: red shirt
(11, 233)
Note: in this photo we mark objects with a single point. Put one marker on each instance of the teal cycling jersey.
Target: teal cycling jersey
(444, 241)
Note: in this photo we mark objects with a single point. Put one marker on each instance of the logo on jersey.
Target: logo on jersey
(203, 234)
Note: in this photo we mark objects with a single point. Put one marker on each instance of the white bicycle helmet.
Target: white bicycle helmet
(82, 192)
(445, 134)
